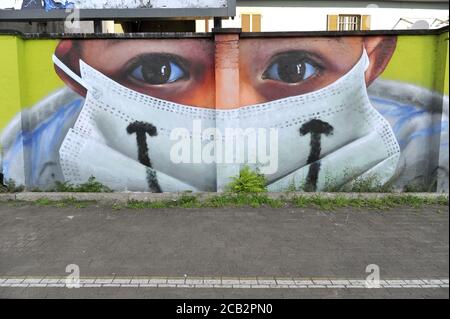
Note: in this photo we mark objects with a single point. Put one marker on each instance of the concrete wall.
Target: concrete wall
(175, 112)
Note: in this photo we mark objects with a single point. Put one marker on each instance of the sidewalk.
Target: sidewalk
(235, 243)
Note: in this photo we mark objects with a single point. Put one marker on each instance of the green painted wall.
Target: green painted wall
(417, 60)
(27, 74)
(40, 78)
(10, 92)
(441, 78)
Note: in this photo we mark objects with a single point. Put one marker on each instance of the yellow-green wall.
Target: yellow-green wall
(27, 74)
(10, 93)
(417, 60)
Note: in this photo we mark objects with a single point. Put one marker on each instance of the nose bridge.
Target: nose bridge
(234, 86)
(227, 70)
(249, 95)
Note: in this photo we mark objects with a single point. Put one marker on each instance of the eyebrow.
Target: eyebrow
(110, 42)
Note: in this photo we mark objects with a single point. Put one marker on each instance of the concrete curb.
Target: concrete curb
(7, 197)
(151, 197)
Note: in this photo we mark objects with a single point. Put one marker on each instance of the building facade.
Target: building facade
(273, 16)
(270, 15)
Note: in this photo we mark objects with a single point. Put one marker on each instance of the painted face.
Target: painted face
(113, 113)
(139, 92)
(182, 71)
(289, 67)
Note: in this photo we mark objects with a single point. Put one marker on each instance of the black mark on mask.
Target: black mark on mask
(153, 181)
(141, 129)
(316, 128)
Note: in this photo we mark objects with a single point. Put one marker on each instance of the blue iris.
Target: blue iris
(158, 69)
(290, 68)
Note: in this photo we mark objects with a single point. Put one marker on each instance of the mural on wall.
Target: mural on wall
(167, 115)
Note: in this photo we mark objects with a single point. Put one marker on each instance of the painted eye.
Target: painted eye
(158, 69)
(290, 68)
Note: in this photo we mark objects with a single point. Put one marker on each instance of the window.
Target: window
(203, 25)
(348, 22)
(251, 22)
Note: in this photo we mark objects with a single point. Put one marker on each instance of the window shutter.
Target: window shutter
(332, 24)
(256, 23)
(118, 28)
(365, 22)
(245, 22)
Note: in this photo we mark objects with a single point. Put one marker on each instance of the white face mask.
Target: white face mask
(122, 137)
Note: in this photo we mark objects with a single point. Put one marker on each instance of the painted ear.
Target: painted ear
(69, 53)
(380, 50)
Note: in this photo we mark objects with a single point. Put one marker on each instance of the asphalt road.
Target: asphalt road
(404, 243)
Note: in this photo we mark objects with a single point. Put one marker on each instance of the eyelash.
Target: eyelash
(302, 56)
(170, 80)
(141, 60)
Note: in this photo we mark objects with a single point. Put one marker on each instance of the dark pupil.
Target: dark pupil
(156, 71)
(291, 70)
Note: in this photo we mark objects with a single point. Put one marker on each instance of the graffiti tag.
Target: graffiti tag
(316, 128)
(142, 129)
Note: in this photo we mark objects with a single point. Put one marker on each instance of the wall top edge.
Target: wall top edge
(183, 35)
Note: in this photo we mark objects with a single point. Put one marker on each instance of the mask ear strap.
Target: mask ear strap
(69, 72)
(366, 60)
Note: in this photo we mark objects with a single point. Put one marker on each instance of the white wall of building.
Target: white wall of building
(315, 19)
(16, 4)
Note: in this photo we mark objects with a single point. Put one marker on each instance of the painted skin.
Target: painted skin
(182, 71)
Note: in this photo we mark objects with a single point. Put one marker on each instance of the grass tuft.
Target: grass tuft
(360, 184)
(91, 186)
(68, 202)
(248, 181)
(229, 200)
(11, 187)
(385, 203)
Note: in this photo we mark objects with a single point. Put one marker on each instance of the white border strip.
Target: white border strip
(218, 282)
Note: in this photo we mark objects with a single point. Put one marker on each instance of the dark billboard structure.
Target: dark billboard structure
(48, 10)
